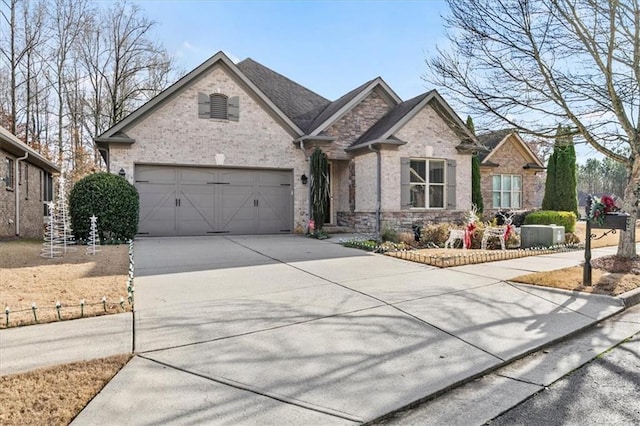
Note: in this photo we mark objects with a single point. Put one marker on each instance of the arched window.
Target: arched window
(218, 106)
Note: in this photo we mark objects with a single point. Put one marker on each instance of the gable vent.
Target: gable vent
(218, 105)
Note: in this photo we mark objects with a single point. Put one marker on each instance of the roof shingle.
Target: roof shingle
(297, 102)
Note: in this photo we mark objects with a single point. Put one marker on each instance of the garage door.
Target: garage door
(209, 201)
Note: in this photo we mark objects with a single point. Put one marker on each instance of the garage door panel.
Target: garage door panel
(201, 201)
(196, 176)
(196, 209)
(157, 209)
(156, 174)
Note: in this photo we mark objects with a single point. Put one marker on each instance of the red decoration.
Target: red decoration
(468, 232)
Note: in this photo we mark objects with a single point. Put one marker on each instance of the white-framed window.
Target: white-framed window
(427, 183)
(507, 191)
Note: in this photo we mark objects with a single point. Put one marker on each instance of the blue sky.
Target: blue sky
(330, 47)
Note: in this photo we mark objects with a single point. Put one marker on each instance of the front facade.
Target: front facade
(26, 185)
(225, 151)
(510, 173)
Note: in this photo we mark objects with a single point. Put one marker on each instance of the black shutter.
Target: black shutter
(204, 106)
(233, 108)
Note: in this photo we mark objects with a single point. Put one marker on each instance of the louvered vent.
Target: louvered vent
(218, 106)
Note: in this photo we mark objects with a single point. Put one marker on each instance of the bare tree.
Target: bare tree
(124, 67)
(535, 64)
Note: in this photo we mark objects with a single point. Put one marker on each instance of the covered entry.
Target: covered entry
(210, 201)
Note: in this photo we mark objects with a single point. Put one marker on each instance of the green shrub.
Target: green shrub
(112, 199)
(550, 217)
(389, 234)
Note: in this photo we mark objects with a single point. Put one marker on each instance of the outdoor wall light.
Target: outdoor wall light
(121, 172)
(304, 179)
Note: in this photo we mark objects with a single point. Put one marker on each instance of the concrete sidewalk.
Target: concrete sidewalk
(43, 345)
(290, 330)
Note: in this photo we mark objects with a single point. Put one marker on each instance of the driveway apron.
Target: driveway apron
(290, 330)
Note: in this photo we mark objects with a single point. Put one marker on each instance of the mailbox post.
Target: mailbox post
(612, 222)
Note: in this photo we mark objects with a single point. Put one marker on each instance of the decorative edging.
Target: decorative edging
(447, 261)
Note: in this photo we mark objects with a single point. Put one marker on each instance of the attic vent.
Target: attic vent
(218, 106)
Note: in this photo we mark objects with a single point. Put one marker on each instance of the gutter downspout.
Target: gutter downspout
(378, 187)
(17, 190)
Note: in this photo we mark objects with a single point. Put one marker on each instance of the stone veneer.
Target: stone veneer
(172, 134)
(31, 205)
(511, 159)
(401, 221)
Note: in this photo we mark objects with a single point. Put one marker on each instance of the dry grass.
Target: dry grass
(609, 240)
(603, 282)
(54, 395)
(27, 277)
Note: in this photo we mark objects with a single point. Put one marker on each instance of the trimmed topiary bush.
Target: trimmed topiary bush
(550, 217)
(112, 199)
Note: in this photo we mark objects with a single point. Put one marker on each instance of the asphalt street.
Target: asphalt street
(605, 391)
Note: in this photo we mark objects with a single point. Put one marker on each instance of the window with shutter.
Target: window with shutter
(423, 183)
(218, 104)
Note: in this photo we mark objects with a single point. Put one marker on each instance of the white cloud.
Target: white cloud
(231, 56)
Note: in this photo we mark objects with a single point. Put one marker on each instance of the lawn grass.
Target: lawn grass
(55, 395)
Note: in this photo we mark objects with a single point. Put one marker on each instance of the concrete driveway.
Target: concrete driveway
(290, 330)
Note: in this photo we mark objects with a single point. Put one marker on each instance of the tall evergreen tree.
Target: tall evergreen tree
(476, 189)
(561, 187)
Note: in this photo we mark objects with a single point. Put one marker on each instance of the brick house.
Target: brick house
(510, 172)
(225, 150)
(27, 183)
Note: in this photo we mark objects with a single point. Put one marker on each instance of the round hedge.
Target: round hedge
(112, 199)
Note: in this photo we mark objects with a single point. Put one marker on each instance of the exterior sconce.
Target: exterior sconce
(304, 179)
(121, 172)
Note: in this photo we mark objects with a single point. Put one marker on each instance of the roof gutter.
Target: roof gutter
(16, 185)
(378, 186)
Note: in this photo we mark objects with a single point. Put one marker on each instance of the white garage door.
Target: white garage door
(209, 201)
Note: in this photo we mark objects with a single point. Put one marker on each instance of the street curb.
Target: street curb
(631, 298)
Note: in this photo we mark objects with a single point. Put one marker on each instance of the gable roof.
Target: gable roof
(114, 133)
(300, 104)
(339, 107)
(405, 111)
(494, 140)
(10, 143)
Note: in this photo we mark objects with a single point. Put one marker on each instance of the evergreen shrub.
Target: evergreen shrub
(112, 199)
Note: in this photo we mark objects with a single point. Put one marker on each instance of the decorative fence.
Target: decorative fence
(460, 259)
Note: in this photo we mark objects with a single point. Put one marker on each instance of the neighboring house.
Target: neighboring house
(510, 172)
(225, 151)
(27, 183)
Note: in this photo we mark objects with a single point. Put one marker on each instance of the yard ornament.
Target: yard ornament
(466, 234)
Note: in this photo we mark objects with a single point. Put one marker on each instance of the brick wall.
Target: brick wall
(511, 160)
(27, 185)
(354, 123)
(427, 136)
(173, 134)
